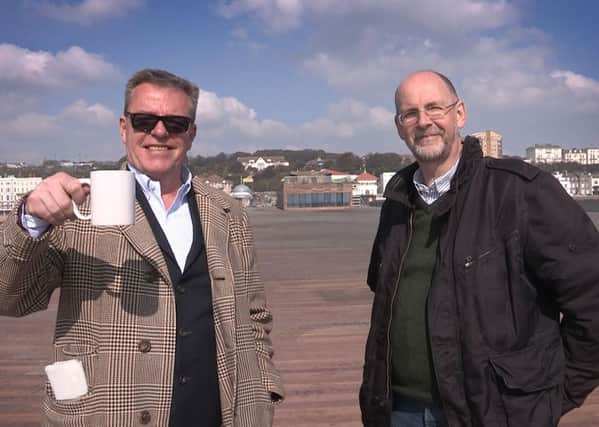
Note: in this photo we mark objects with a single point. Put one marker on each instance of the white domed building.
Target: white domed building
(243, 193)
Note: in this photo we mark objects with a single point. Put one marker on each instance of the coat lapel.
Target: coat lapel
(215, 217)
(141, 237)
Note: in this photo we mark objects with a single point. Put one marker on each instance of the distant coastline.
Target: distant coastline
(588, 203)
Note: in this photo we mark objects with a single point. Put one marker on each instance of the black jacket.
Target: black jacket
(514, 252)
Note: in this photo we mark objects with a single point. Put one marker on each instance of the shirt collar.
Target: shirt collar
(152, 187)
(439, 186)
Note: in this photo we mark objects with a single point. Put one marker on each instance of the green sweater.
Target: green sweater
(412, 370)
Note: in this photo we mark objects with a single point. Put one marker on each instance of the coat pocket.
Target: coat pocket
(87, 354)
(530, 381)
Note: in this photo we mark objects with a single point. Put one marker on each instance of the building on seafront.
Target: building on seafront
(262, 162)
(491, 143)
(578, 184)
(315, 191)
(217, 181)
(12, 189)
(243, 193)
(544, 153)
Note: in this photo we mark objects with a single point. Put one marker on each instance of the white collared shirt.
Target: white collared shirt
(439, 186)
(174, 221)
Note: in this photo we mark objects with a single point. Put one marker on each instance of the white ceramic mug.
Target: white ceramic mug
(112, 198)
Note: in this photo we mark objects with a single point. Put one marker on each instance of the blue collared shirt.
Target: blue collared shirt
(175, 221)
(438, 187)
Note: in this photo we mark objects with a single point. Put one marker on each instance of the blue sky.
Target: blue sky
(295, 73)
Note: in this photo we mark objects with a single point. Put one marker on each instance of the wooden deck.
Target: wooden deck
(314, 267)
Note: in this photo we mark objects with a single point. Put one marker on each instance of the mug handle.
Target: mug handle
(79, 214)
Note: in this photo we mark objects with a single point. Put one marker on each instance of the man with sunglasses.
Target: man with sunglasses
(168, 316)
(475, 262)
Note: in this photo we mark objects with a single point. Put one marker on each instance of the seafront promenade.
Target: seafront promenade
(314, 266)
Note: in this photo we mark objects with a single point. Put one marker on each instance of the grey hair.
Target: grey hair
(163, 78)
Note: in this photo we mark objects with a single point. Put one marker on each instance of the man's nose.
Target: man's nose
(159, 131)
(423, 119)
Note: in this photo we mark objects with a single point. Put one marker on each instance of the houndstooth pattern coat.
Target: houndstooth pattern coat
(116, 297)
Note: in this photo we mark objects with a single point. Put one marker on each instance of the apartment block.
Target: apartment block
(544, 153)
(575, 155)
(592, 156)
(491, 143)
(576, 184)
(12, 189)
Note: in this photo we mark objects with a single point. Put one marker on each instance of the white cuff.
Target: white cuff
(33, 225)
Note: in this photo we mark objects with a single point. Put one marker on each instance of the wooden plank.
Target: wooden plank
(314, 266)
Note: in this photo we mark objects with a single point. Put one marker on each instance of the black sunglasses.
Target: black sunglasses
(145, 122)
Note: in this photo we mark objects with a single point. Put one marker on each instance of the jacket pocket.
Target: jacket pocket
(87, 354)
(529, 382)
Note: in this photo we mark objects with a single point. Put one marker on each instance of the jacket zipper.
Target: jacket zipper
(403, 258)
(469, 261)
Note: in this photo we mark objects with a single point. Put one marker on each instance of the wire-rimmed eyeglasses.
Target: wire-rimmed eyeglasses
(433, 112)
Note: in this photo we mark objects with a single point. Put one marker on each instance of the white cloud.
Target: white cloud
(432, 15)
(357, 115)
(506, 73)
(26, 68)
(95, 114)
(218, 117)
(240, 33)
(241, 38)
(577, 82)
(88, 11)
(80, 129)
(84, 130)
(509, 81)
(13, 103)
(227, 124)
(27, 130)
(226, 114)
(280, 15)
(77, 115)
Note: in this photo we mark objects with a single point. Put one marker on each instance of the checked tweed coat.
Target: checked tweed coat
(117, 314)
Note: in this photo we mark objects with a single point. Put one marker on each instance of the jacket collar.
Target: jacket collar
(401, 186)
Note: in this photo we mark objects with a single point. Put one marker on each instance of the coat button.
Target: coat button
(144, 346)
(145, 417)
(184, 380)
(180, 289)
(184, 332)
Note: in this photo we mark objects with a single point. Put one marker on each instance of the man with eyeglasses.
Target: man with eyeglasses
(168, 316)
(475, 262)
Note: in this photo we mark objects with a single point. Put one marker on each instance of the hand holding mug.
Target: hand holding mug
(52, 200)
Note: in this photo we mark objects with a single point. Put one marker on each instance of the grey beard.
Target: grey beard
(423, 156)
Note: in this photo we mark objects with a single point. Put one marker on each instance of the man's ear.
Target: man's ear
(192, 134)
(462, 116)
(399, 127)
(123, 128)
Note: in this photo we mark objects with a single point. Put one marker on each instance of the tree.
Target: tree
(349, 162)
(269, 179)
(377, 163)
